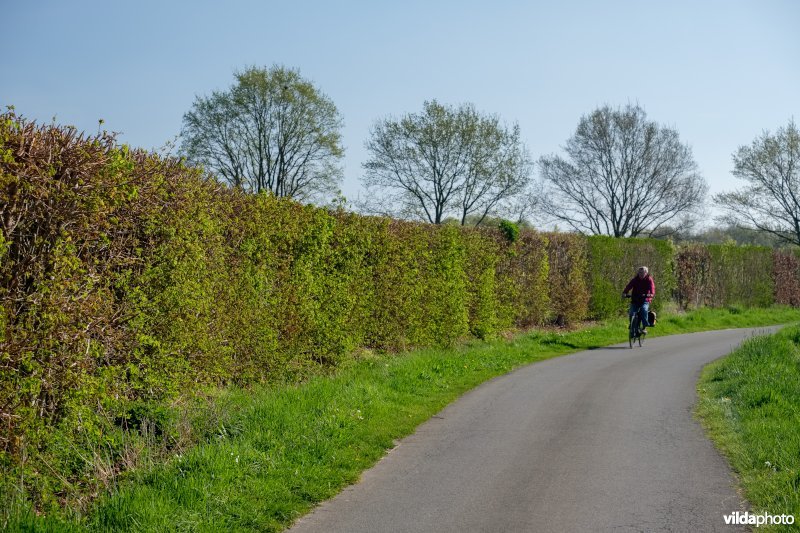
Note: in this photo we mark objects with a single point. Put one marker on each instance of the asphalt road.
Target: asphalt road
(602, 440)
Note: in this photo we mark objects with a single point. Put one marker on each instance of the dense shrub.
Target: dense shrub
(114, 289)
(727, 274)
(569, 294)
(482, 254)
(693, 265)
(509, 230)
(786, 273)
(522, 284)
(443, 314)
(420, 287)
(740, 275)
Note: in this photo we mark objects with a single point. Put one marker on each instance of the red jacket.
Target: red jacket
(641, 286)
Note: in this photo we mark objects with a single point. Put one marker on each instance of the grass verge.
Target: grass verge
(750, 405)
(276, 451)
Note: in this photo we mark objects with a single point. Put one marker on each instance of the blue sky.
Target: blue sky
(720, 72)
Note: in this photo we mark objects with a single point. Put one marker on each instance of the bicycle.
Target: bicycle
(634, 329)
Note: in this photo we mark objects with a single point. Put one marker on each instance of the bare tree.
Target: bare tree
(624, 176)
(444, 162)
(272, 131)
(771, 203)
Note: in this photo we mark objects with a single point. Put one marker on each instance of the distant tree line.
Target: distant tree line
(620, 174)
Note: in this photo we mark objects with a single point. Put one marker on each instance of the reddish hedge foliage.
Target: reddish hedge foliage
(694, 273)
(786, 273)
(569, 293)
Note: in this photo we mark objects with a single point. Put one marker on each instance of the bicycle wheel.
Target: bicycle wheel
(631, 331)
(639, 325)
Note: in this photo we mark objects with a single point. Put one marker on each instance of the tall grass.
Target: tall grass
(750, 402)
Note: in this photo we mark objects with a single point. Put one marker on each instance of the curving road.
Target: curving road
(602, 440)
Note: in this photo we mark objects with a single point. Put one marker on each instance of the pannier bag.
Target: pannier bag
(651, 318)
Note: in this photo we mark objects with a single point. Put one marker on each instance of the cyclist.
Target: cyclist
(642, 289)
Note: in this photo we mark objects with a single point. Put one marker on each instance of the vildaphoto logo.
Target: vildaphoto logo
(758, 520)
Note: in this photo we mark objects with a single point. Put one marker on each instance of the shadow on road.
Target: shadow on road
(610, 348)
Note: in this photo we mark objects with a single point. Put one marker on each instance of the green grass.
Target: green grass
(750, 404)
(273, 452)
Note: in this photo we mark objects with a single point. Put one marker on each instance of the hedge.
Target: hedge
(726, 274)
(612, 264)
(568, 284)
(786, 273)
(128, 281)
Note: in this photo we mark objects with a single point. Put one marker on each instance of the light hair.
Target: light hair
(644, 269)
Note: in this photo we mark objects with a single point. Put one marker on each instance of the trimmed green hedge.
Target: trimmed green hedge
(612, 264)
(741, 275)
(568, 286)
(726, 274)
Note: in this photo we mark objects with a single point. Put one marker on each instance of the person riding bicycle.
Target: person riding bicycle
(642, 289)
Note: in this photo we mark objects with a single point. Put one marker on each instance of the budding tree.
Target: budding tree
(623, 176)
(771, 201)
(271, 131)
(444, 162)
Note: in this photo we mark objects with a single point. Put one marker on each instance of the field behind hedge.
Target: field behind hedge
(128, 281)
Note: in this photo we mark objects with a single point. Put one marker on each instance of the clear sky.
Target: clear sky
(720, 72)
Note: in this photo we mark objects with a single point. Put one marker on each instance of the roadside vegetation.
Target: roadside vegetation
(138, 294)
(266, 454)
(750, 404)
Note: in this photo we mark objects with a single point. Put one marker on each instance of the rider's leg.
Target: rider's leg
(643, 311)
